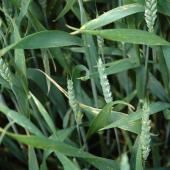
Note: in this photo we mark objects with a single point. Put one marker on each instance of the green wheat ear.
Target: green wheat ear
(4, 71)
(145, 137)
(150, 14)
(73, 102)
(104, 82)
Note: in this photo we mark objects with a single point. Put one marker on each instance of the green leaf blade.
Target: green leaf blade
(101, 120)
(44, 39)
(49, 144)
(48, 39)
(133, 36)
(113, 15)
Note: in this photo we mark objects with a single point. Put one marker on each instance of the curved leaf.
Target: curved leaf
(67, 7)
(131, 118)
(133, 36)
(50, 144)
(44, 39)
(101, 120)
(113, 15)
(20, 120)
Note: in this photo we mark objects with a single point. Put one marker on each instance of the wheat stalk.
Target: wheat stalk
(150, 14)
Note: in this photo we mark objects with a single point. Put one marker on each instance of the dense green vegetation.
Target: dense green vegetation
(84, 84)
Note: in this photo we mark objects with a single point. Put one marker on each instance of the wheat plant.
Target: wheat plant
(72, 78)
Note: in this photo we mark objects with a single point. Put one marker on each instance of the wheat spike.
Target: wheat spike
(104, 82)
(150, 14)
(145, 137)
(4, 71)
(73, 102)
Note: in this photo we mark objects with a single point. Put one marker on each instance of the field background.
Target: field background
(59, 110)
